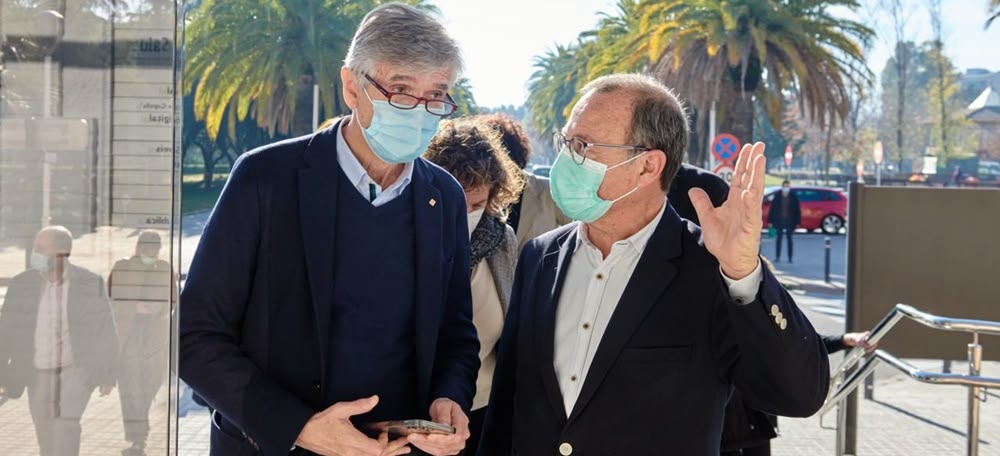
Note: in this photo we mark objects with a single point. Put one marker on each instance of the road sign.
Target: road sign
(725, 148)
(725, 171)
(877, 152)
(788, 155)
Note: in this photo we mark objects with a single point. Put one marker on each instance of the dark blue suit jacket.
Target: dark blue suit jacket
(256, 307)
(673, 350)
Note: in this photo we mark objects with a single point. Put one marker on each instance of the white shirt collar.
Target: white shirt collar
(357, 174)
(636, 241)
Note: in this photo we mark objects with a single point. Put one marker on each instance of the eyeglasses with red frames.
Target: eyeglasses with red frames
(399, 100)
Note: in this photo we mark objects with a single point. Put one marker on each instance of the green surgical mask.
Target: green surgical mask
(574, 187)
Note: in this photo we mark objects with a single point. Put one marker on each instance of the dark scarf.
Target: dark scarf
(486, 238)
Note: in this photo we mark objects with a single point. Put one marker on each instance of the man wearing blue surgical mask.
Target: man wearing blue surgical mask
(330, 290)
(628, 330)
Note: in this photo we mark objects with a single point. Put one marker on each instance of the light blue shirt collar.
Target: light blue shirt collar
(358, 176)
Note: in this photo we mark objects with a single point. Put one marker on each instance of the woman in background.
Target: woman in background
(473, 153)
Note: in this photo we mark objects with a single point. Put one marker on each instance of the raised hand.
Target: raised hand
(732, 231)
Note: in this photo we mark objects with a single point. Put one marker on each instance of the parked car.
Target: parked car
(822, 208)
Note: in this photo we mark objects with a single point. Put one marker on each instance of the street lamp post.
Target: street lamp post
(877, 155)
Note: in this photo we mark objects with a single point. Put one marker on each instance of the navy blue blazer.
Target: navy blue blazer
(255, 310)
(674, 349)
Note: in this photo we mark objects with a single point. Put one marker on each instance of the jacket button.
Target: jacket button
(316, 385)
(565, 449)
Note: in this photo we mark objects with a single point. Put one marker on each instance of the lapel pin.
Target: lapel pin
(432, 202)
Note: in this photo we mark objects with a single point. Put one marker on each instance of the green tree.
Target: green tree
(733, 51)
(993, 11)
(552, 87)
(261, 58)
(944, 109)
(904, 103)
(461, 92)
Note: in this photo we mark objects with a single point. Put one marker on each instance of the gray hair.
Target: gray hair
(59, 238)
(659, 119)
(399, 34)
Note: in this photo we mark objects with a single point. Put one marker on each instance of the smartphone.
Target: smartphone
(407, 427)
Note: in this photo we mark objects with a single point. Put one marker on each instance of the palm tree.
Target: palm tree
(261, 58)
(731, 51)
(553, 86)
(461, 92)
(993, 11)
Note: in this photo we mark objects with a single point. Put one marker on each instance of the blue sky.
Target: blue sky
(499, 38)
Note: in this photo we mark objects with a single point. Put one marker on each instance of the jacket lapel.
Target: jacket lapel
(429, 219)
(653, 274)
(318, 220)
(554, 267)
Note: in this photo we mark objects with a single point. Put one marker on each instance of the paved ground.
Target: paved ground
(906, 418)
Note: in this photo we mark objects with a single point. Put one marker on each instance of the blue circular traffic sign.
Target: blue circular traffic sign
(725, 147)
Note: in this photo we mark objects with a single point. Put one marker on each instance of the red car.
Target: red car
(822, 208)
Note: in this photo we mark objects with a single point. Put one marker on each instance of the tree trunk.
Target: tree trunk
(302, 117)
(737, 113)
(827, 152)
(697, 142)
(208, 156)
(902, 63)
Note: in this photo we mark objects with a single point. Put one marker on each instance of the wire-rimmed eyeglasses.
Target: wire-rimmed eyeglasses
(581, 147)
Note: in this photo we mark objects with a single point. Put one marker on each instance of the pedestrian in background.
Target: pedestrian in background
(784, 216)
(141, 288)
(534, 213)
(57, 341)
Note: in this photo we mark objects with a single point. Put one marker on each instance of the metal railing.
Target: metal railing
(846, 379)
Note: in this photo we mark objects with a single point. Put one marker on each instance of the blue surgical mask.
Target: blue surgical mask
(574, 187)
(40, 263)
(399, 135)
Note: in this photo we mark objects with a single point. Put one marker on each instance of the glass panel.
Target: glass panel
(807, 195)
(87, 226)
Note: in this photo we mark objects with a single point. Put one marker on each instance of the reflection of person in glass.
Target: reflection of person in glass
(140, 288)
(57, 340)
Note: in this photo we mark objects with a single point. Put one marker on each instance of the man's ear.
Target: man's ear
(350, 87)
(653, 163)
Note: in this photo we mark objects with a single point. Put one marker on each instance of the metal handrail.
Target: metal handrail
(912, 371)
(973, 380)
(924, 318)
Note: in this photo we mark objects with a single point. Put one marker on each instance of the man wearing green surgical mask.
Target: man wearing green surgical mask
(628, 330)
(330, 290)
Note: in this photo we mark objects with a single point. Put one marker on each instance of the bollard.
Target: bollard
(826, 270)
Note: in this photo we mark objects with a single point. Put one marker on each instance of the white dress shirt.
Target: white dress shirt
(52, 344)
(590, 294)
(359, 177)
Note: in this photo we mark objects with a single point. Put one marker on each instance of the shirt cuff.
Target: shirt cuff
(744, 291)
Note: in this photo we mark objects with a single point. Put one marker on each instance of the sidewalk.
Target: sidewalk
(905, 418)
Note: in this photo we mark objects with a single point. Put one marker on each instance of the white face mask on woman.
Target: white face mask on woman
(474, 218)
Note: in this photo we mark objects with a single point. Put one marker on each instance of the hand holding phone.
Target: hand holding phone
(407, 427)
